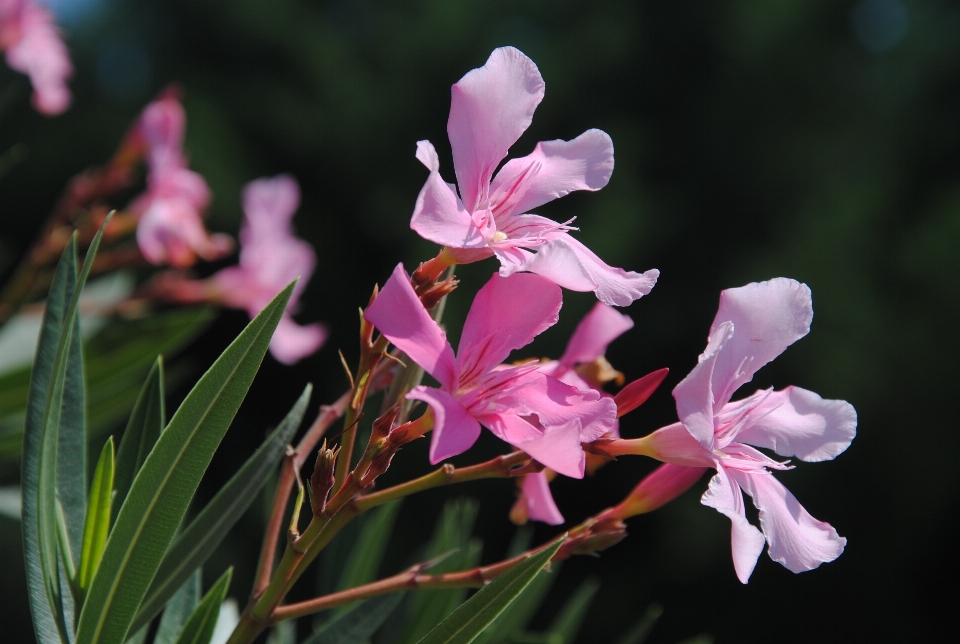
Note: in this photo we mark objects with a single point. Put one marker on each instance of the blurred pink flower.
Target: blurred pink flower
(171, 229)
(271, 257)
(491, 107)
(533, 412)
(34, 47)
(754, 324)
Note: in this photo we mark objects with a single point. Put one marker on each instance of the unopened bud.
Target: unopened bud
(661, 486)
(383, 425)
(637, 392)
(322, 480)
(432, 296)
(604, 534)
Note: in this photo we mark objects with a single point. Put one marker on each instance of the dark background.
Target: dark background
(814, 140)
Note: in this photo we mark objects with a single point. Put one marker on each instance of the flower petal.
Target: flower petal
(798, 422)
(694, 394)
(746, 541)
(507, 313)
(268, 206)
(540, 503)
(601, 326)
(768, 317)
(556, 403)
(559, 449)
(439, 216)
(454, 429)
(797, 540)
(490, 108)
(400, 316)
(559, 167)
(292, 342)
(572, 265)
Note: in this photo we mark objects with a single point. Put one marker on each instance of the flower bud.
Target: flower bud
(661, 486)
(637, 392)
(432, 296)
(322, 480)
(383, 425)
(604, 534)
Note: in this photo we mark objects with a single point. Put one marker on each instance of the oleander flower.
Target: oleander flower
(490, 108)
(35, 48)
(534, 412)
(754, 324)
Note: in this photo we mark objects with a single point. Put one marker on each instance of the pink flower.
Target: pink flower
(755, 324)
(34, 47)
(171, 226)
(601, 326)
(270, 258)
(533, 412)
(490, 109)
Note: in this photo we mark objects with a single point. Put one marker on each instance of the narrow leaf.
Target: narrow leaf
(207, 530)
(469, 620)
(166, 483)
(638, 632)
(199, 628)
(97, 523)
(570, 618)
(364, 560)
(146, 422)
(178, 610)
(358, 624)
(517, 615)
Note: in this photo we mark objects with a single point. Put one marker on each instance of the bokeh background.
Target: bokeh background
(815, 140)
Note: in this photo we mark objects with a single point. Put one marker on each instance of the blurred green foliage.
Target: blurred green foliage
(815, 140)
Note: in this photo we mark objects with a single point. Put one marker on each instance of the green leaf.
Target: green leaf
(207, 530)
(469, 620)
(199, 628)
(570, 618)
(451, 539)
(638, 632)
(358, 624)
(55, 398)
(178, 610)
(166, 483)
(367, 553)
(147, 420)
(517, 615)
(97, 523)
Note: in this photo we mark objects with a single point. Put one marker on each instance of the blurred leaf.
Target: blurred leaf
(358, 624)
(199, 628)
(638, 632)
(568, 621)
(55, 397)
(469, 620)
(283, 633)
(367, 553)
(208, 529)
(166, 483)
(517, 615)
(178, 610)
(140, 636)
(426, 608)
(97, 523)
(147, 420)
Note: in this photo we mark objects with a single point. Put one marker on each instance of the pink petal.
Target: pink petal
(292, 342)
(540, 503)
(454, 429)
(559, 449)
(767, 318)
(170, 231)
(601, 326)
(506, 314)
(694, 394)
(797, 422)
(490, 108)
(556, 403)
(572, 265)
(400, 316)
(637, 392)
(511, 428)
(39, 52)
(663, 485)
(163, 123)
(439, 216)
(797, 540)
(555, 169)
(675, 444)
(268, 206)
(746, 541)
